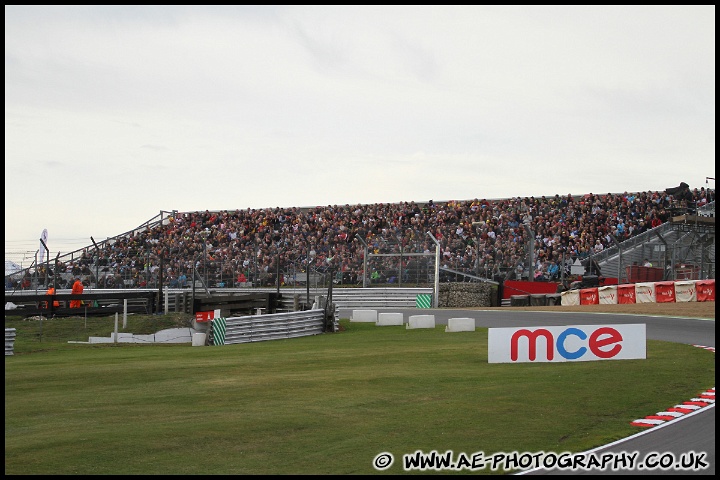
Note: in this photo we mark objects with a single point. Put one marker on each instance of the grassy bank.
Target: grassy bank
(325, 404)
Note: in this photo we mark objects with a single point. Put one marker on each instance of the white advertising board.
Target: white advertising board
(573, 343)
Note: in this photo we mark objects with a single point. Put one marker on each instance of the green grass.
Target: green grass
(326, 404)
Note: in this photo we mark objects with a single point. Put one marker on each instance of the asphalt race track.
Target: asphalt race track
(692, 432)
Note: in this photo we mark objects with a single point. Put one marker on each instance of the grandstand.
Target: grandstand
(394, 245)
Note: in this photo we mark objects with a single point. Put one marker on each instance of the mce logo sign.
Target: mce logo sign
(574, 343)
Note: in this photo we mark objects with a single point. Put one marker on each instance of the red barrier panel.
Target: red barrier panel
(665, 292)
(705, 290)
(517, 287)
(589, 296)
(204, 316)
(626, 293)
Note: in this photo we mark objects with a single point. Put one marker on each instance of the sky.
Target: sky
(116, 113)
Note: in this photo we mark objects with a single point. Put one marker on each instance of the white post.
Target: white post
(116, 327)
(167, 306)
(436, 293)
(125, 302)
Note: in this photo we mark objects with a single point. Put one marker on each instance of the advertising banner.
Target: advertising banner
(705, 290)
(589, 296)
(575, 343)
(645, 292)
(665, 292)
(685, 291)
(608, 294)
(626, 293)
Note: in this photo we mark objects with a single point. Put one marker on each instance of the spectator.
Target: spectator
(77, 289)
(647, 263)
(554, 271)
(50, 291)
(475, 235)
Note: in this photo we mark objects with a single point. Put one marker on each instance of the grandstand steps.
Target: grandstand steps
(685, 241)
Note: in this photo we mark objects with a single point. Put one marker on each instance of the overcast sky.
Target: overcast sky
(114, 113)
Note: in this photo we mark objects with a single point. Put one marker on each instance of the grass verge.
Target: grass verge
(326, 404)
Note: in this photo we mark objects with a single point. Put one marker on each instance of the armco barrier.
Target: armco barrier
(10, 341)
(256, 328)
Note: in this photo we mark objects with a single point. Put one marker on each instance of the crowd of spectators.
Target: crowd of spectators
(488, 238)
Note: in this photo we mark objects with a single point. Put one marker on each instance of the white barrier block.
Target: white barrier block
(364, 316)
(570, 297)
(685, 291)
(460, 325)
(421, 321)
(645, 292)
(387, 318)
(608, 294)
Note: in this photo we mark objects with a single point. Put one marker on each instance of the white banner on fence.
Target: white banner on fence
(43, 242)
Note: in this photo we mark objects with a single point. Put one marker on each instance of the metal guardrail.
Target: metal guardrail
(10, 341)
(178, 299)
(257, 328)
(349, 298)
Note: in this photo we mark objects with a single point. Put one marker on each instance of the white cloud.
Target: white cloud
(115, 113)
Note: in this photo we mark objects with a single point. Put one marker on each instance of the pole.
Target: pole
(48, 261)
(400, 272)
(97, 273)
(277, 239)
(278, 272)
(365, 257)
(531, 252)
(160, 284)
(477, 248)
(56, 271)
(437, 270)
(307, 281)
(192, 299)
